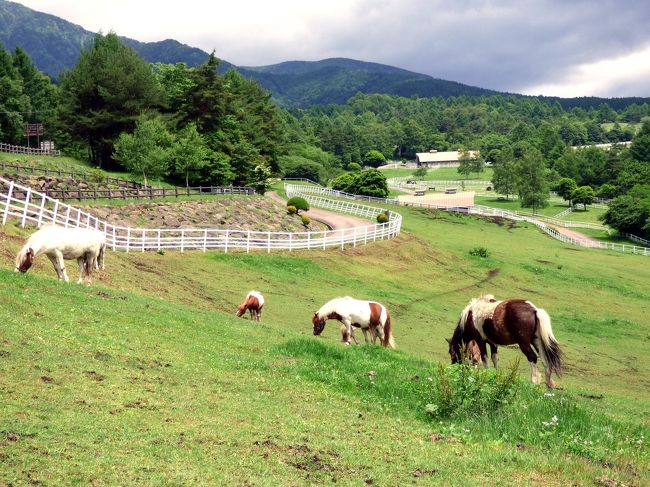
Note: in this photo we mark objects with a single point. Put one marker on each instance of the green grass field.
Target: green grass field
(148, 378)
(441, 174)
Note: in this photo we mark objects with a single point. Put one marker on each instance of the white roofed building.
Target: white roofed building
(441, 159)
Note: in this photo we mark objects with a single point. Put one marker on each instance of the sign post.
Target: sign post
(33, 129)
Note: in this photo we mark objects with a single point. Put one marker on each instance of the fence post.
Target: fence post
(114, 243)
(354, 237)
(159, 239)
(27, 196)
(205, 239)
(128, 238)
(290, 241)
(225, 249)
(342, 235)
(268, 248)
(55, 211)
(308, 240)
(40, 211)
(182, 241)
(7, 202)
(143, 237)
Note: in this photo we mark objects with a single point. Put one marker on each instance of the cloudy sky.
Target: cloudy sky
(550, 47)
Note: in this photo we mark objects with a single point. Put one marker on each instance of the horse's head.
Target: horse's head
(24, 260)
(319, 324)
(454, 351)
(241, 309)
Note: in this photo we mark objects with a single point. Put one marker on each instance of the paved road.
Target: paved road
(333, 220)
(577, 235)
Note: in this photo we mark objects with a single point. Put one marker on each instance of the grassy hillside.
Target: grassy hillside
(148, 378)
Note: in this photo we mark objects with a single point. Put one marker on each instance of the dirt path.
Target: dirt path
(333, 220)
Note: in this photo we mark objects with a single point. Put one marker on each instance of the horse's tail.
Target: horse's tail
(389, 341)
(550, 346)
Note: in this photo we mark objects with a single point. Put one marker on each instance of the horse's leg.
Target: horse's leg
(494, 354)
(89, 263)
(82, 269)
(52, 258)
(378, 333)
(354, 337)
(348, 326)
(61, 263)
(259, 314)
(481, 346)
(365, 334)
(537, 343)
(530, 354)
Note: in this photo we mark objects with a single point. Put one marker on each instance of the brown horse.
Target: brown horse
(254, 302)
(513, 321)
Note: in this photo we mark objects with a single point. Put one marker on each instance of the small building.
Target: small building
(434, 158)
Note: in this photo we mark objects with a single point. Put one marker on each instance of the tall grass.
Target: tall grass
(470, 403)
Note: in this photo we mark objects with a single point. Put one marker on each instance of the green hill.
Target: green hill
(148, 378)
(54, 44)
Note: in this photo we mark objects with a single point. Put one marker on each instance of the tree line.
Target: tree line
(196, 126)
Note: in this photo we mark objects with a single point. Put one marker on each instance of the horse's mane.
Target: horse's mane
(481, 308)
(328, 307)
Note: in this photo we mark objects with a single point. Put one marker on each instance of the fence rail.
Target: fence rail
(32, 207)
(46, 171)
(19, 149)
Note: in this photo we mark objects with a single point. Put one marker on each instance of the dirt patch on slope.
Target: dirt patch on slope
(254, 213)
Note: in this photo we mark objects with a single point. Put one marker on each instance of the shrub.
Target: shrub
(299, 203)
(305, 220)
(463, 390)
(292, 210)
(97, 176)
(382, 218)
(420, 172)
(354, 167)
(480, 252)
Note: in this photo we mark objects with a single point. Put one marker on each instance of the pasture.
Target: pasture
(439, 174)
(148, 377)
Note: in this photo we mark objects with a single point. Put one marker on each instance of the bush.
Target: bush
(420, 172)
(299, 203)
(292, 210)
(480, 252)
(382, 218)
(305, 220)
(463, 390)
(354, 167)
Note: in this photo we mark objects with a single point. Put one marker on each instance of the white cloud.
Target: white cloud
(626, 75)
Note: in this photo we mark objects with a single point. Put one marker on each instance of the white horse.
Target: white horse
(367, 315)
(87, 245)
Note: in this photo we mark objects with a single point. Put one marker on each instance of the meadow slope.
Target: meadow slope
(148, 378)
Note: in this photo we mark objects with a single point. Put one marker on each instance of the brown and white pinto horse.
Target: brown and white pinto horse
(254, 302)
(513, 321)
(370, 316)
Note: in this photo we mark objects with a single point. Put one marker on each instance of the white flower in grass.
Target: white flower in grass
(548, 394)
(552, 423)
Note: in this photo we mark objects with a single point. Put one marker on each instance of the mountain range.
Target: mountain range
(54, 45)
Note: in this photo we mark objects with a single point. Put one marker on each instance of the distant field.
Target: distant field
(441, 174)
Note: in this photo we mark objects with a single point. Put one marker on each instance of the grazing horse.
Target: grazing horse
(367, 315)
(87, 245)
(513, 321)
(254, 302)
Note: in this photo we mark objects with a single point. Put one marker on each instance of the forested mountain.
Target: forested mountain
(304, 83)
(55, 44)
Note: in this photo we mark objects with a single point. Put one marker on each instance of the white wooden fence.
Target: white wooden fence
(31, 207)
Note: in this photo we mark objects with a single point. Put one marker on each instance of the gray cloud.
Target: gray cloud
(509, 45)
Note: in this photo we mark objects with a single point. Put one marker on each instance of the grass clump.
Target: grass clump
(382, 217)
(481, 252)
